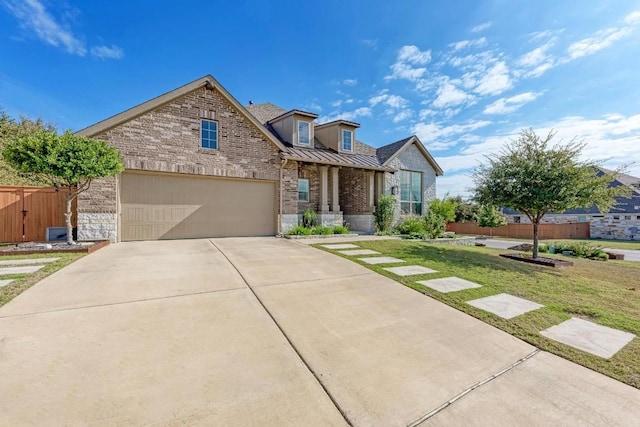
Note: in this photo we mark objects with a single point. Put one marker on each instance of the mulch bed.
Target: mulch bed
(547, 262)
(30, 248)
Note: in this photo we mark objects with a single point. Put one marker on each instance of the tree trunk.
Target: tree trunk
(67, 219)
(535, 239)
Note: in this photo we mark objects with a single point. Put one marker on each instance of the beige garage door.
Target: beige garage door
(163, 206)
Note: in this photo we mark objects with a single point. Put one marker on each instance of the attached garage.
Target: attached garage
(157, 206)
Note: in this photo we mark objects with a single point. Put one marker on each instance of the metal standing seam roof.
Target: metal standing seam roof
(330, 157)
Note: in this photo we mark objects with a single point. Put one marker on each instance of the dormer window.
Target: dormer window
(347, 140)
(304, 133)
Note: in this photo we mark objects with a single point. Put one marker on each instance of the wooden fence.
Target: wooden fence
(26, 212)
(579, 230)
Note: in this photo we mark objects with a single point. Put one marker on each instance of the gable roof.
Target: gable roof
(389, 152)
(165, 98)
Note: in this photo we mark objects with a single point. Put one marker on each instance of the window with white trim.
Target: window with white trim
(209, 134)
(411, 192)
(347, 140)
(303, 190)
(304, 133)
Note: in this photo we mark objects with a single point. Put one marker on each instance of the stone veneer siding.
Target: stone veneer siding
(167, 139)
(411, 159)
(603, 226)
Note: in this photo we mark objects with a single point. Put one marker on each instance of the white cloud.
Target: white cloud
(511, 104)
(346, 115)
(439, 136)
(468, 44)
(449, 95)
(407, 63)
(495, 81)
(454, 184)
(393, 101)
(481, 27)
(370, 43)
(402, 115)
(536, 56)
(34, 16)
(107, 52)
(350, 82)
(633, 18)
(600, 40)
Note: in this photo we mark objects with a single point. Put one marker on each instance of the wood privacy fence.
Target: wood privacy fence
(26, 212)
(579, 230)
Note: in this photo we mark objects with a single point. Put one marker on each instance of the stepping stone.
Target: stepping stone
(590, 337)
(505, 305)
(449, 284)
(353, 252)
(5, 282)
(381, 260)
(340, 246)
(410, 270)
(20, 270)
(28, 261)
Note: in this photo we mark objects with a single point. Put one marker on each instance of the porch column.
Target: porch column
(379, 186)
(324, 188)
(335, 206)
(370, 190)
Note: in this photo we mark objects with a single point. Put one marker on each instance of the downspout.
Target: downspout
(283, 163)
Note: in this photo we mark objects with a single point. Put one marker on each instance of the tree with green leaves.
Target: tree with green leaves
(12, 129)
(384, 213)
(490, 216)
(68, 162)
(440, 212)
(466, 210)
(535, 177)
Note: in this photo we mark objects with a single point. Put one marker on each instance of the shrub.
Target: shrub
(410, 224)
(414, 236)
(321, 229)
(543, 249)
(340, 229)
(581, 249)
(449, 235)
(309, 218)
(299, 230)
(434, 225)
(384, 213)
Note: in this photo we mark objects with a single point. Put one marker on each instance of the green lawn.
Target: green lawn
(600, 291)
(605, 243)
(22, 282)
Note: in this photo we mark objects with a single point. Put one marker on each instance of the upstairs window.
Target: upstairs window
(347, 140)
(304, 133)
(303, 190)
(411, 193)
(209, 134)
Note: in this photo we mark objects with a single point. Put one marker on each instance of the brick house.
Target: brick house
(622, 222)
(199, 164)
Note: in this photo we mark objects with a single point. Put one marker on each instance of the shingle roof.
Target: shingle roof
(265, 111)
(385, 152)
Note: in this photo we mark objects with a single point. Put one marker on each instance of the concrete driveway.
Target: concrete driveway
(265, 331)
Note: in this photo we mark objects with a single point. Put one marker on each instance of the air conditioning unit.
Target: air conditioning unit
(59, 234)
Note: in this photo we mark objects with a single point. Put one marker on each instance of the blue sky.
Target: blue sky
(465, 76)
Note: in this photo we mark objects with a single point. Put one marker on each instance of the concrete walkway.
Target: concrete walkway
(268, 331)
(629, 254)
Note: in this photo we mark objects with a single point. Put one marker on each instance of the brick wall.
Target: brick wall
(311, 173)
(353, 191)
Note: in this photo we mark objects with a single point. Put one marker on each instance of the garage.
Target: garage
(169, 206)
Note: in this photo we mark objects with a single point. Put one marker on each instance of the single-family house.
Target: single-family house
(200, 164)
(621, 222)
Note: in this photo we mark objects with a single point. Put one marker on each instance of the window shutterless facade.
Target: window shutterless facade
(303, 190)
(304, 133)
(209, 134)
(411, 192)
(347, 140)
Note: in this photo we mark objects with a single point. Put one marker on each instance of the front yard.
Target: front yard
(22, 282)
(605, 243)
(605, 292)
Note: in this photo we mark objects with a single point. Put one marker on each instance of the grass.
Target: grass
(22, 282)
(599, 291)
(608, 243)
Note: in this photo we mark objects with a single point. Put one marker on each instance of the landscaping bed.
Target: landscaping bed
(27, 248)
(547, 262)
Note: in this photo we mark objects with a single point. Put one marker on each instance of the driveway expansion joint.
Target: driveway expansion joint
(477, 385)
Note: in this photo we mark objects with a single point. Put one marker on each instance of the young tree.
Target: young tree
(384, 213)
(68, 162)
(534, 177)
(438, 214)
(466, 210)
(490, 216)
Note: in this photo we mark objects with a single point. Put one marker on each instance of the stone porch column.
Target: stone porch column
(335, 206)
(324, 188)
(379, 186)
(371, 190)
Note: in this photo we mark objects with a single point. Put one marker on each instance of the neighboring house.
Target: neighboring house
(622, 222)
(199, 164)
